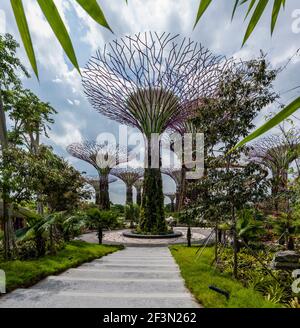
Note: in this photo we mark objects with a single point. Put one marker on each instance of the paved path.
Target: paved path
(134, 277)
(116, 237)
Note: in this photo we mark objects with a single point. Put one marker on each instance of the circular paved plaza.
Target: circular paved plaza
(116, 237)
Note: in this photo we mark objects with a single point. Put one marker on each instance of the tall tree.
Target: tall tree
(9, 80)
(31, 119)
(150, 81)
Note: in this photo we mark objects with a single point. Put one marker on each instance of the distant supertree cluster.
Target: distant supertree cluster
(94, 182)
(138, 185)
(276, 153)
(103, 157)
(129, 176)
(172, 197)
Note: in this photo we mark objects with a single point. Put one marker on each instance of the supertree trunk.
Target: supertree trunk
(139, 196)
(172, 206)
(97, 198)
(129, 194)
(182, 190)
(152, 219)
(104, 201)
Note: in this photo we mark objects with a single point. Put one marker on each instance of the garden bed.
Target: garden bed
(199, 275)
(21, 274)
(133, 234)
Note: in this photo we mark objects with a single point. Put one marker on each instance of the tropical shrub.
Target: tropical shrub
(132, 214)
(101, 220)
(254, 271)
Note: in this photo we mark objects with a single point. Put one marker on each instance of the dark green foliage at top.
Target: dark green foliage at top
(152, 214)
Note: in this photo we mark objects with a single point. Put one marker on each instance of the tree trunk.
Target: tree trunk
(139, 196)
(104, 194)
(9, 235)
(97, 198)
(217, 236)
(189, 236)
(152, 218)
(40, 205)
(100, 234)
(182, 190)
(177, 198)
(129, 195)
(235, 244)
(172, 206)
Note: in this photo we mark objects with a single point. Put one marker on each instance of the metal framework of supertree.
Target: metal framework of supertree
(129, 176)
(172, 197)
(138, 185)
(94, 182)
(103, 157)
(152, 81)
(277, 152)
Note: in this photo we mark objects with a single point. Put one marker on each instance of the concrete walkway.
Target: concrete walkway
(135, 277)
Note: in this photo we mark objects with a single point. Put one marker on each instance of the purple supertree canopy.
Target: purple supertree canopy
(276, 151)
(94, 181)
(151, 81)
(128, 175)
(175, 174)
(100, 155)
(171, 196)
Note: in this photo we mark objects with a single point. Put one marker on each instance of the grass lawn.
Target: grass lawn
(199, 275)
(20, 274)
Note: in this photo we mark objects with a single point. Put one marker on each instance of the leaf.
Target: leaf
(255, 18)
(58, 27)
(249, 8)
(278, 118)
(94, 11)
(202, 8)
(22, 24)
(275, 12)
(234, 8)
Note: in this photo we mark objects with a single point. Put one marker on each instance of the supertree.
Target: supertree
(94, 182)
(172, 197)
(103, 157)
(277, 152)
(151, 81)
(129, 176)
(138, 185)
(176, 134)
(176, 175)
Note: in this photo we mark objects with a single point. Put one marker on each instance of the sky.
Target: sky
(60, 83)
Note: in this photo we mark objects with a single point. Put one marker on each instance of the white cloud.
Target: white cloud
(70, 134)
(57, 80)
(290, 53)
